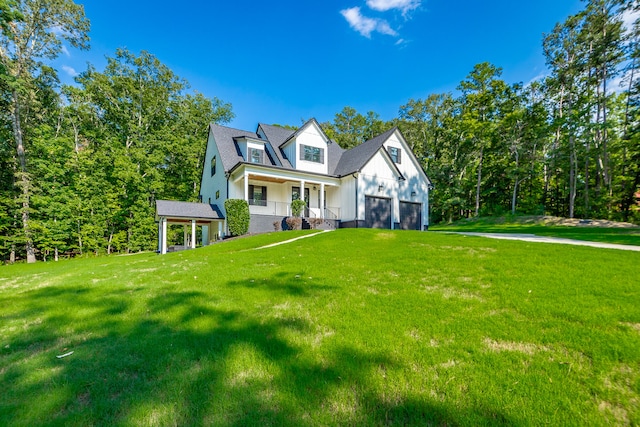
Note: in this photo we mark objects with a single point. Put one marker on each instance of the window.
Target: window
(257, 195)
(312, 154)
(255, 155)
(395, 154)
(213, 166)
(217, 195)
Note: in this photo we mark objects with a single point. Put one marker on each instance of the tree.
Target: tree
(144, 137)
(39, 34)
(481, 92)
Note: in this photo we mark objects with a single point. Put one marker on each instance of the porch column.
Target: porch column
(185, 236)
(302, 195)
(321, 200)
(246, 186)
(220, 224)
(163, 240)
(193, 234)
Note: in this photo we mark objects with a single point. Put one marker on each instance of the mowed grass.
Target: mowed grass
(623, 236)
(351, 327)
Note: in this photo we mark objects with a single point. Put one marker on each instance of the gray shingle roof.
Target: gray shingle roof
(354, 159)
(276, 134)
(340, 162)
(227, 147)
(170, 208)
(300, 130)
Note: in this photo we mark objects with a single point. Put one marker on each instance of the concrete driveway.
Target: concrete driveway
(547, 239)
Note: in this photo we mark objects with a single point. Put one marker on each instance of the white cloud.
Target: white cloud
(65, 51)
(629, 17)
(69, 70)
(385, 5)
(365, 25)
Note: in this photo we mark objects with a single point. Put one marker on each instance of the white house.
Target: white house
(379, 183)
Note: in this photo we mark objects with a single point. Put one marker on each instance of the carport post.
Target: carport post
(163, 240)
(193, 234)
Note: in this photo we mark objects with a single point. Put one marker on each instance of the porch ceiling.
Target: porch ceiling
(267, 178)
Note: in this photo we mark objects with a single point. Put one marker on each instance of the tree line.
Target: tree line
(567, 144)
(82, 165)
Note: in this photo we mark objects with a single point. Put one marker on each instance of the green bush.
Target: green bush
(297, 206)
(237, 216)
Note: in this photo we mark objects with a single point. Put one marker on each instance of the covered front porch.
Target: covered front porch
(271, 193)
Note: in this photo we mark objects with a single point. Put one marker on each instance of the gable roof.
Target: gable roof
(225, 140)
(301, 129)
(353, 160)
(340, 162)
(275, 134)
(174, 209)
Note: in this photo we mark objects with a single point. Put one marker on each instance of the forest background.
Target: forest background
(82, 165)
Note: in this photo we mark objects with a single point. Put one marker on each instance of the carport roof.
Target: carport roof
(188, 210)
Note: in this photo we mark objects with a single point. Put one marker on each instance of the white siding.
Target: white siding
(346, 199)
(378, 178)
(415, 180)
(211, 184)
(312, 137)
(290, 153)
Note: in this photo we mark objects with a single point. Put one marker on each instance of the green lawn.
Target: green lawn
(624, 236)
(352, 327)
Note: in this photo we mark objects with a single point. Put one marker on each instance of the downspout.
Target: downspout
(355, 176)
(226, 225)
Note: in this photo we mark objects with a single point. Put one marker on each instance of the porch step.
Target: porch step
(305, 224)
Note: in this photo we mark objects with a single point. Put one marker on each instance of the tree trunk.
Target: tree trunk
(513, 197)
(478, 184)
(24, 181)
(573, 178)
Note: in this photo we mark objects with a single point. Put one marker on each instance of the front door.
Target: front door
(295, 195)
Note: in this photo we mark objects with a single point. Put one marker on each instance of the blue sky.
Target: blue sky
(281, 62)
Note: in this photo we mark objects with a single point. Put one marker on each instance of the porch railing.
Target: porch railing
(267, 207)
(332, 213)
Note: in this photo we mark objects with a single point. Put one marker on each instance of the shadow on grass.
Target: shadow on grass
(180, 358)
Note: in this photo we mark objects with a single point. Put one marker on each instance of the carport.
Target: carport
(186, 213)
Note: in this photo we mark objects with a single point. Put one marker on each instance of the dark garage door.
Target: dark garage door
(377, 212)
(410, 215)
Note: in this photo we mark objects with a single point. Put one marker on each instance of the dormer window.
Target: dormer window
(255, 155)
(395, 154)
(312, 154)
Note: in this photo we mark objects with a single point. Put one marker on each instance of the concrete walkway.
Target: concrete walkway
(292, 240)
(547, 239)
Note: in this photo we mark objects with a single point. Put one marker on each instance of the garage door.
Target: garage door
(410, 215)
(377, 212)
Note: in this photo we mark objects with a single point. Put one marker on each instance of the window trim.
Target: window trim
(311, 155)
(397, 158)
(251, 152)
(262, 201)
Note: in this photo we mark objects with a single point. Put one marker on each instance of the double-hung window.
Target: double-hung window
(255, 155)
(257, 195)
(312, 154)
(395, 154)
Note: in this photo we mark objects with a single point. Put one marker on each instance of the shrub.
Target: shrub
(237, 216)
(276, 225)
(297, 206)
(315, 222)
(293, 223)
